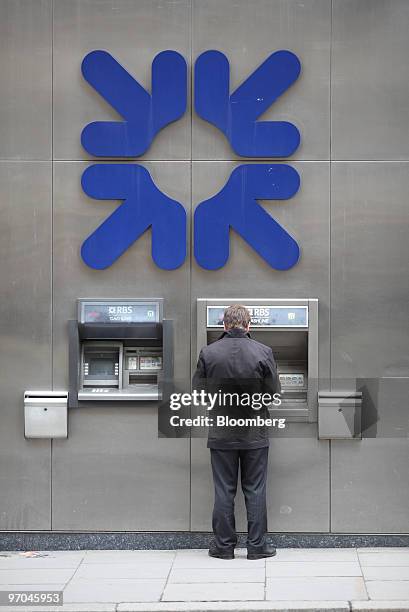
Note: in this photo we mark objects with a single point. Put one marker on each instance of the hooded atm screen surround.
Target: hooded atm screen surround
(120, 350)
(290, 327)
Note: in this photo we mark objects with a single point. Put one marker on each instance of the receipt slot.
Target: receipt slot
(120, 350)
(290, 327)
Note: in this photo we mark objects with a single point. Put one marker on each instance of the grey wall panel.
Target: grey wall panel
(370, 291)
(385, 411)
(369, 486)
(133, 32)
(25, 339)
(113, 472)
(306, 217)
(297, 486)
(25, 76)
(248, 32)
(370, 79)
(370, 276)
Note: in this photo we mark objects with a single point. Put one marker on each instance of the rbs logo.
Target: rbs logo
(233, 113)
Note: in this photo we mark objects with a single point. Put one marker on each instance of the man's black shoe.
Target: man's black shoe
(221, 554)
(267, 550)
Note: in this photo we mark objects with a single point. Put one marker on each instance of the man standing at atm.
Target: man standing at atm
(237, 366)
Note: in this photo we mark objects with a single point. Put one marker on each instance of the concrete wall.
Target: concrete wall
(350, 218)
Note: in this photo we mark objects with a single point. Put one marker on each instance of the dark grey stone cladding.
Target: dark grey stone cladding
(48, 540)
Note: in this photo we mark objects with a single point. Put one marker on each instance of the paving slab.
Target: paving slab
(248, 591)
(388, 589)
(313, 568)
(232, 606)
(56, 561)
(35, 576)
(190, 580)
(128, 556)
(314, 554)
(31, 587)
(185, 575)
(193, 551)
(382, 572)
(202, 560)
(86, 607)
(377, 549)
(239, 553)
(114, 591)
(304, 588)
(387, 558)
(390, 606)
(46, 553)
(136, 570)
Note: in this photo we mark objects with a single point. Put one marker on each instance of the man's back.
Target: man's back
(239, 370)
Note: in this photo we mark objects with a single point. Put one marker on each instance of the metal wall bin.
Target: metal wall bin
(45, 414)
(339, 415)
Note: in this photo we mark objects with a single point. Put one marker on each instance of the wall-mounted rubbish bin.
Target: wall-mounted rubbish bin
(45, 414)
(339, 415)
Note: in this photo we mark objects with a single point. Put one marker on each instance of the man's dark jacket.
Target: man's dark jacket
(237, 364)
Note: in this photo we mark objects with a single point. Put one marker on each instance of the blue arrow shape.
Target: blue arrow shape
(143, 206)
(144, 114)
(235, 207)
(236, 114)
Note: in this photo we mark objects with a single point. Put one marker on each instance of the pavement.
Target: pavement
(320, 579)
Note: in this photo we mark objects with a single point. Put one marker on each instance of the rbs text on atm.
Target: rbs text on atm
(235, 114)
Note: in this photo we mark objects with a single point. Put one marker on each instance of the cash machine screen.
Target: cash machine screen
(101, 367)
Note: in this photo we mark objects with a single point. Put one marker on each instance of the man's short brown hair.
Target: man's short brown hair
(236, 315)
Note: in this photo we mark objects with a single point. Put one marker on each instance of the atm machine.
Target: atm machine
(119, 350)
(290, 327)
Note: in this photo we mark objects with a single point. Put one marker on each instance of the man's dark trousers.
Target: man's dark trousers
(253, 469)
